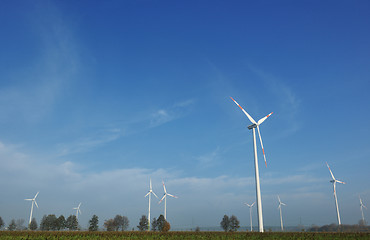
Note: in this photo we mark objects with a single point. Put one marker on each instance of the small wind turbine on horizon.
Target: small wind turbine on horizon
(258, 188)
(78, 210)
(281, 215)
(165, 199)
(33, 202)
(334, 181)
(149, 194)
(362, 211)
(250, 213)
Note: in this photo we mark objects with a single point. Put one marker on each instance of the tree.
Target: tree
(143, 224)
(109, 225)
(93, 223)
(234, 224)
(72, 223)
(154, 225)
(33, 224)
(160, 222)
(61, 223)
(121, 222)
(12, 225)
(20, 224)
(166, 226)
(225, 223)
(49, 223)
(1, 223)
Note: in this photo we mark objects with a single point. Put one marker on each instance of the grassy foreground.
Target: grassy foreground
(177, 235)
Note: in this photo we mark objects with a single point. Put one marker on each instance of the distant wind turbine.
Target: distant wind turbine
(362, 211)
(281, 215)
(334, 181)
(149, 194)
(33, 202)
(165, 199)
(78, 210)
(258, 188)
(250, 213)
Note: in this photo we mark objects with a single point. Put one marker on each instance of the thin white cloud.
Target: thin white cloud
(209, 159)
(45, 76)
(86, 144)
(287, 100)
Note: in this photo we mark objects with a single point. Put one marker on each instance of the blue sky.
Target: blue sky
(96, 97)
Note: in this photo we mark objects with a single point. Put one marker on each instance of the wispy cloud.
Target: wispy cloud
(287, 100)
(165, 115)
(85, 144)
(209, 159)
(38, 84)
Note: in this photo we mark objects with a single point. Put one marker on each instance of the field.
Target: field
(177, 235)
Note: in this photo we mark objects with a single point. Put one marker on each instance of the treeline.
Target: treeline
(340, 228)
(53, 223)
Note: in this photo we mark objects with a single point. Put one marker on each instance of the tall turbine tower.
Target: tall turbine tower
(258, 188)
(250, 213)
(165, 199)
(78, 210)
(281, 215)
(362, 211)
(33, 202)
(149, 194)
(335, 181)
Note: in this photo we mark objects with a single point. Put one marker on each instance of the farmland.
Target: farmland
(177, 235)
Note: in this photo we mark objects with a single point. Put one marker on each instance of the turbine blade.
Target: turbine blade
(79, 206)
(147, 194)
(155, 194)
(28, 199)
(283, 204)
(330, 171)
(253, 204)
(249, 117)
(279, 199)
(263, 119)
(263, 150)
(36, 195)
(150, 183)
(172, 195)
(164, 187)
(162, 198)
(36, 204)
(340, 182)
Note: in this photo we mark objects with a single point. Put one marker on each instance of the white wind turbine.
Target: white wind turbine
(281, 215)
(362, 211)
(335, 181)
(33, 201)
(149, 194)
(78, 210)
(165, 199)
(258, 188)
(250, 213)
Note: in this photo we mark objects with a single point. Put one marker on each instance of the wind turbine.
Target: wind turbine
(250, 213)
(281, 215)
(258, 188)
(149, 194)
(165, 199)
(362, 211)
(78, 210)
(33, 201)
(335, 181)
